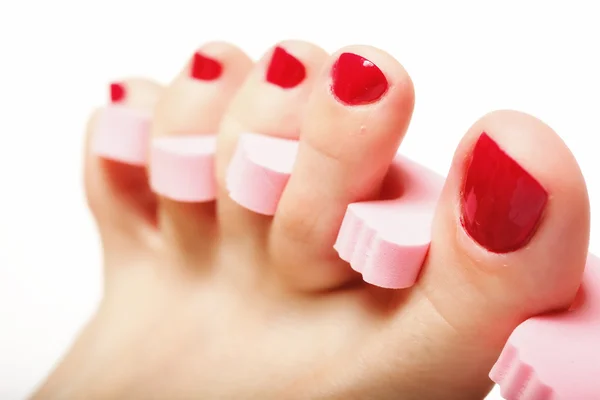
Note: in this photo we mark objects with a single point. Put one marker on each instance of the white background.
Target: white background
(56, 58)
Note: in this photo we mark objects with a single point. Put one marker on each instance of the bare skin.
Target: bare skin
(212, 301)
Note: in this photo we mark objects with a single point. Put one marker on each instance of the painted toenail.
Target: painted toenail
(501, 202)
(357, 80)
(117, 92)
(205, 68)
(285, 70)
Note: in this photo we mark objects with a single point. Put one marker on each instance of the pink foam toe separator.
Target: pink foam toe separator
(386, 241)
(259, 171)
(182, 167)
(121, 134)
(556, 356)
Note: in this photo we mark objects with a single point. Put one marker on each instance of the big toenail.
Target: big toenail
(117, 92)
(205, 68)
(502, 203)
(357, 80)
(285, 70)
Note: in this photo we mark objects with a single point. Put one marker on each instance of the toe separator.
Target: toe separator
(182, 168)
(259, 171)
(387, 240)
(122, 135)
(555, 356)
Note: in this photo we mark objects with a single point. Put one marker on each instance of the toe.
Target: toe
(270, 105)
(353, 125)
(510, 235)
(115, 176)
(184, 136)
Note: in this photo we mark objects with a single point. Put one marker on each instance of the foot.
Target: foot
(208, 299)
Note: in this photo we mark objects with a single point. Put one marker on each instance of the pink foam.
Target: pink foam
(556, 356)
(259, 171)
(182, 168)
(122, 135)
(386, 241)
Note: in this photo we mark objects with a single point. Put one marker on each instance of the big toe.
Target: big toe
(510, 236)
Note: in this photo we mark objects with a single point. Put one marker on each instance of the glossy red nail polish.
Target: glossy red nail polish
(285, 70)
(117, 92)
(205, 68)
(357, 80)
(502, 204)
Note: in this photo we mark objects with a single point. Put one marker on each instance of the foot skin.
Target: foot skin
(211, 300)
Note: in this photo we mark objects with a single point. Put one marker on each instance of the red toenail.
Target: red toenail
(501, 202)
(357, 80)
(285, 70)
(205, 68)
(117, 92)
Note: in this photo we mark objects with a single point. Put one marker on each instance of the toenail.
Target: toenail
(285, 70)
(501, 202)
(357, 80)
(117, 92)
(205, 68)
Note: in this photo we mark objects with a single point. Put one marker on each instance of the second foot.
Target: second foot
(208, 299)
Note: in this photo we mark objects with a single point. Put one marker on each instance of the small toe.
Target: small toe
(115, 174)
